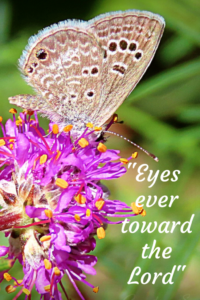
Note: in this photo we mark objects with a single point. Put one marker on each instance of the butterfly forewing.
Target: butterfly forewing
(129, 40)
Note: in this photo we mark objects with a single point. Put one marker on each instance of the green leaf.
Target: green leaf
(5, 14)
(170, 77)
(184, 252)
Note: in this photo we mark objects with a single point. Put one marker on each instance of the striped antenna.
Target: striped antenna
(134, 144)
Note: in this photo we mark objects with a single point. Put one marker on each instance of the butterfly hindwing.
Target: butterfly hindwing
(64, 67)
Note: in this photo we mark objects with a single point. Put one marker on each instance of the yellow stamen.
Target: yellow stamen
(77, 218)
(1, 119)
(124, 160)
(7, 276)
(88, 212)
(2, 143)
(18, 282)
(101, 233)
(115, 118)
(18, 122)
(96, 128)
(10, 289)
(48, 213)
(143, 213)
(11, 140)
(28, 112)
(83, 143)
(47, 264)
(55, 128)
(26, 291)
(11, 146)
(89, 125)
(13, 111)
(56, 271)
(43, 159)
(45, 238)
(80, 199)
(99, 203)
(136, 209)
(134, 155)
(61, 183)
(47, 288)
(96, 289)
(101, 148)
(34, 163)
(67, 128)
(58, 154)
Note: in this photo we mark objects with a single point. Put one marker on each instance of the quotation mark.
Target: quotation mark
(179, 267)
(131, 164)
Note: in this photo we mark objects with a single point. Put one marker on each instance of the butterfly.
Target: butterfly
(83, 71)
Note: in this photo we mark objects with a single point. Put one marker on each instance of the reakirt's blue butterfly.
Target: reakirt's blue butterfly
(83, 71)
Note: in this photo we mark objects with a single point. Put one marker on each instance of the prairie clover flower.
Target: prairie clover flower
(53, 203)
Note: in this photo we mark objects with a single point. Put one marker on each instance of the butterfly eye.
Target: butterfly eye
(85, 72)
(94, 71)
(123, 45)
(138, 55)
(112, 46)
(132, 47)
(90, 94)
(41, 54)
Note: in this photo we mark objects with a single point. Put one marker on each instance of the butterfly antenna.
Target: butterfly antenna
(134, 144)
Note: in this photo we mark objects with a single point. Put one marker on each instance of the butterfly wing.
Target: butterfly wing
(64, 63)
(83, 71)
(129, 40)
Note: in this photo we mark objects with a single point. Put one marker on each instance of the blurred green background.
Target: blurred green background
(162, 115)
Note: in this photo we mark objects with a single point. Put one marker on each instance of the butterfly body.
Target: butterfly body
(83, 71)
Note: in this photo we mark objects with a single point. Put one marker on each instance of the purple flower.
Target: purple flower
(53, 203)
